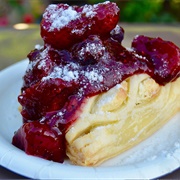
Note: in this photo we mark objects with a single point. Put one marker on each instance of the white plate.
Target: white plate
(156, 156)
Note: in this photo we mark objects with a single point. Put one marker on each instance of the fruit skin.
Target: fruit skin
(164, 57)
(88, 20)
(39, 139)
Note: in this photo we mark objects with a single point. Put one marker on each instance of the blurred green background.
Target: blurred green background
(148, 11)
(137, 11)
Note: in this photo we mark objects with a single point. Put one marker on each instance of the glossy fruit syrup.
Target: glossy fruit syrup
(82, 56)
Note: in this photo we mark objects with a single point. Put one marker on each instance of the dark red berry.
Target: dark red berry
(164, 57)
(117, 33)
(63, 25)
(41, 140)
(89, 51)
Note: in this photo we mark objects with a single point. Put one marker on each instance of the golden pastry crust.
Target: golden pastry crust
(117, 120)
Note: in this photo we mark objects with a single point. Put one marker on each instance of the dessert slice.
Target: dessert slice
(85, 95)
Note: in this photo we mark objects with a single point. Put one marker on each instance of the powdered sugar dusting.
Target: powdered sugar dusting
(31, 65)
(40, 61)
(67, 73)
(58, 17)
(71, 72)
(139, 56)
(78, 31)
(42, 64)
(94, 49)
(43, 57)
(88, 11)
(94, 76)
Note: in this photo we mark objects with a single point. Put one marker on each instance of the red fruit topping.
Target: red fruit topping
(40, 140)
(84, 71)
(164, 57)
(45, 96)
(63, 25)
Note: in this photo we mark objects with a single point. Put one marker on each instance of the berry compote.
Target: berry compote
(82, 56)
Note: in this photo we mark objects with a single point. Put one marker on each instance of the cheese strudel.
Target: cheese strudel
(86, 97)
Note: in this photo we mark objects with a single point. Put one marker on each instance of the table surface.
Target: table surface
(16, 44)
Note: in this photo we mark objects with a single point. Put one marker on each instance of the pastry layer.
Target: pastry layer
(117, 120)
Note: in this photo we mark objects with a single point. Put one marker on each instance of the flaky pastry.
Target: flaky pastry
(115, 121)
